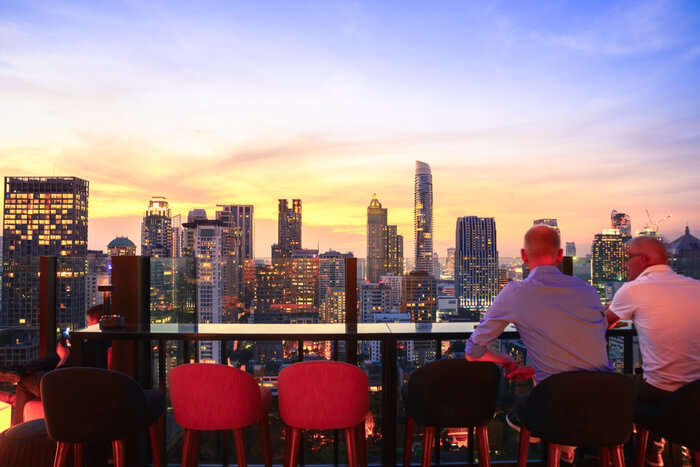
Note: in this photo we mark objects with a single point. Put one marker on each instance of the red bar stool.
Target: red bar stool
(323, 395)
(206, 396)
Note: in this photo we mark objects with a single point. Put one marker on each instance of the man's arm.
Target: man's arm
(611, 317)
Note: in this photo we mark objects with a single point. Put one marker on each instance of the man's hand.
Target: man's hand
(520, 373)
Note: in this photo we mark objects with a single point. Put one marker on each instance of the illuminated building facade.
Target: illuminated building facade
(418, 296)
(684, 255)
(374, 297)
(288, 228)
(332, 286)
(176, 225)
(98, 273)
(570, 249)
(43, 216)
(121, 246)
(476, 262)
(423, 217)
(608, 262)
(208, 257)
(236, 222)
(384, 244)
(156, 230)
(450, 264)
(394, 282)
(621, 222)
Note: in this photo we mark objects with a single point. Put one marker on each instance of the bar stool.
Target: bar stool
(207, 397)
(27, 444)
(676, 420)
(451, 393)
(323, 395)
(83, 405)
(591, 409)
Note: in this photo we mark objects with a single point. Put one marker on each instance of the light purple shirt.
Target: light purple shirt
(559, 318)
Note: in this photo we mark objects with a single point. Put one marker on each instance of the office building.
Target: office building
(476, 262)
(423, 218)
(621, 222)
(548, 222)
(42, 216)
(176, 225)
(608, 263)
(450, 264)
(121, 246)
(237, 243)
(98, 273)
(394, 282)
(288, 228)
(374, 297)
(332, 286)
(393, 251)
(419, 296)
(384, 244)
(684, 255)
(156, 230)
(570, 249)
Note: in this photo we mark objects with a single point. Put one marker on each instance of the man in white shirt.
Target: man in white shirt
(665, 309)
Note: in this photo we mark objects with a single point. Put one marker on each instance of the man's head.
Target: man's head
(94, 314)
(541, 247)
(641, 253)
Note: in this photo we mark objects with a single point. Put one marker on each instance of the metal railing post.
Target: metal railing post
(47, 305)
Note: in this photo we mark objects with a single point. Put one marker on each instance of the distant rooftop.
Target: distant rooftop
(684, 242)
(121, 242)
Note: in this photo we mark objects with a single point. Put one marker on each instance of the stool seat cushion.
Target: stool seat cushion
(27, 444)
(323, 395)
(453, 393)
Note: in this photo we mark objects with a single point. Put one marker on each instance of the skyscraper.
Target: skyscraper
(384, 244)
(450, 263)
(476, 262)
(621, 222)
(376, 228)
(570, 249)
(121, 246)
(332, 285)
(608, 262)
(375, 297)
(423, 218)
(419, 296)
(288, 228)
(548, 222)
(176, 224)
(43, 216)
(98, 273)
(156, 230)
(237, 243)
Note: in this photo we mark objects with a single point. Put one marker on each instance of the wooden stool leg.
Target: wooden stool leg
(604, 456)
(553, 451)
(156, 438)
(524, 446)
(361, 443)
(62, 451)
(407, 442)
(640, 447)
(482, 435)
(240, 447)
(119, 454)
(351, 441)
(618, 456)
(78, 460)
(190, 448)
(428, 441)
(265, 430)
(696, 458)
(294, 445)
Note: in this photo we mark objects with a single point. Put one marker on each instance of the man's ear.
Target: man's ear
(523, 255)
(560, 255)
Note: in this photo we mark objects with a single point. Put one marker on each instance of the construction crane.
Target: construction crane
(654, 226)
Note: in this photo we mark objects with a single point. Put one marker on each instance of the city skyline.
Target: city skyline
(522, 111)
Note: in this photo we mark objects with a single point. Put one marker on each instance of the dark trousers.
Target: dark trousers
(646, 394)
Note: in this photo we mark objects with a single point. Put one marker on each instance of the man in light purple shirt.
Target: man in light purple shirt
(560, 319)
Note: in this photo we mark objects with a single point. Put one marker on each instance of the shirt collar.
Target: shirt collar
(655, 268)
(544, 269)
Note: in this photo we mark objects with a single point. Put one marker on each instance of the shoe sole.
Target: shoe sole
(533, 439)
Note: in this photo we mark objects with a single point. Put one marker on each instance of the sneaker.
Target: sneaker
(654, 457)
(514, 422)
(567, 454)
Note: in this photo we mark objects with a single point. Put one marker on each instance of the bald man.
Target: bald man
(560, 318)
(665, 309)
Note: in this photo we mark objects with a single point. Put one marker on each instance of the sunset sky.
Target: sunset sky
(523, 110)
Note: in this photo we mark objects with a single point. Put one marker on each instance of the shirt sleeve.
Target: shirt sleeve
(622, 304)
(497, 317)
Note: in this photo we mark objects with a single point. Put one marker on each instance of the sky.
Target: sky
(524, 110)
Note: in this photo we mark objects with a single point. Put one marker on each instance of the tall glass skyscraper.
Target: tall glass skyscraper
(476, 262)
(288, 228)
(423, 217)
(156, 230)
(621, 222)
(384, 244)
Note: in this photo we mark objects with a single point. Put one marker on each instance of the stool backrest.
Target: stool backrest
(91, 404)
(582, 408)
(682, 409)
(323, 395)
(207, 396)
(453, 392)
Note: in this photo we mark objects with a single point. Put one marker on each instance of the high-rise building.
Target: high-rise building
(176, 224)
(43, 216)
(450, 263)
(121, 246)
(476, 262)
(375, 297)
(419, 296)
(437, 268)
(621, 222)
(548, 222)
(395, 282)
(608, 262)
(384, 244)
(207, 250)
(332, 285)
(156, 230)
(423, 218)
(684, 254)
(288, 228)
(98, 273)
(570, 249)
